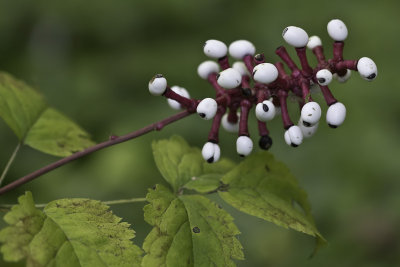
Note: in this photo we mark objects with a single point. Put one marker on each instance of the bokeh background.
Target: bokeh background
(93, 59)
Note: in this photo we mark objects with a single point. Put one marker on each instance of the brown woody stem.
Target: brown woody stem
(157, 126)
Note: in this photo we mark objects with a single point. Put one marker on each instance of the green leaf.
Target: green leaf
(55, 134)
(264, 187)
(69, 232)
(34, 123)
(26, 221)
(205, 183)
(179, 163)
(188, 231)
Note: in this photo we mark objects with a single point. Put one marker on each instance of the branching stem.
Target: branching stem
(10, 161)
(157, 126)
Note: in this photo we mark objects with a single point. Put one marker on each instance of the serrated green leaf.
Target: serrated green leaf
(179, 163)
(265, 188)
(213, 232)
(69, 232)
(204, 183)
(34, 123)
(55, 134)
(188, 231)
(26, 221)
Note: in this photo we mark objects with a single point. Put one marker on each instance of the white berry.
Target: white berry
(295, 36)
(229, 78)
(343, 78)
(287, 138)
(324, 77)
(228, 126)
(206, 68)
(211, 152)
(180, 91)
(307, 131)
(244, 145)
(310, 113)
(367, 68)
(158, 85)
(293, 136)
(313, 42)
(241, 68)
(207, 108)
(265, 111)
(337, 30)
(265, 73)
(336, 114)
(215, 49)
(239, 49)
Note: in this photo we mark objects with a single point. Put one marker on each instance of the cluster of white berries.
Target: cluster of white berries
(250, 81)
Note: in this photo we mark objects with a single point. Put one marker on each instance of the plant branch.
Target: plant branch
(124, 201)
(10, 161)
(7, 207)
(157, 126)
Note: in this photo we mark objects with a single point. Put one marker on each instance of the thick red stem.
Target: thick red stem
(282, 94)
(306, 69)
(245, 106)
(283, 54)
(224, 62)
(213, 135)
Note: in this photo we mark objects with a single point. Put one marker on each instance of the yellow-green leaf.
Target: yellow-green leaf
(69, 232)
(36, 124)
(188, 231)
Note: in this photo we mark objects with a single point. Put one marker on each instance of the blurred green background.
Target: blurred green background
(93, 59)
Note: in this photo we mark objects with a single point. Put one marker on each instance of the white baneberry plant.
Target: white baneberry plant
(251, 82)
(188, 228)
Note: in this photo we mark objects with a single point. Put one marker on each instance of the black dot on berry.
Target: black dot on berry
(294, 145)
(258, 57)
(158, 76)
(307, 124)
(321, 80)
(218, 76)
(202, 115)
(265, 107)
(196, 230)
(211, 160)
(332, 126)
(284, 31)
(240, 155)
(372, 76)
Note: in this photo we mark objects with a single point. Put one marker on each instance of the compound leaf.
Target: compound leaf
(36, 124)
(69, 232)
(188, 231)
(264, 187)
(179, 163)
